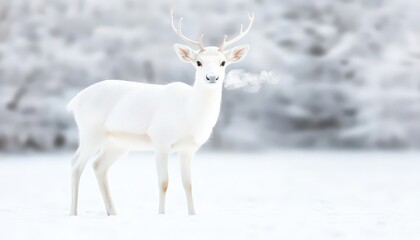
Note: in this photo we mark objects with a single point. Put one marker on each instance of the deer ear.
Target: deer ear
(185, 53)
(236, 54)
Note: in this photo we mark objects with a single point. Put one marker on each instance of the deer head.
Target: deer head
(211, 62)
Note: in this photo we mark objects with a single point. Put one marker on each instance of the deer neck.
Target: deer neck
(205, 105)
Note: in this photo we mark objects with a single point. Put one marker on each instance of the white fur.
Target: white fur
(115, 117)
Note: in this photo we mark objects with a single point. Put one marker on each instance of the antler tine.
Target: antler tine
(241, 33)
(179, 32)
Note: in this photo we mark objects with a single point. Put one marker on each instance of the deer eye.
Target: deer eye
(199, 64)
(223, 64)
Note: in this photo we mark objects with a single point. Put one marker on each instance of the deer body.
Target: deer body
(115, 117)
(137, 116)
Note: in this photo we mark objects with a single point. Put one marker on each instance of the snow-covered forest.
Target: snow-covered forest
(320, 74)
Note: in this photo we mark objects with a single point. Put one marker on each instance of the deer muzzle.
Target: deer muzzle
(212, 78)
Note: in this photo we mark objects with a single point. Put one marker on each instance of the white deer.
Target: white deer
(115, 117)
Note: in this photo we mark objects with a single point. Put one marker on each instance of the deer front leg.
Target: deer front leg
(185, 161)
(162, 172)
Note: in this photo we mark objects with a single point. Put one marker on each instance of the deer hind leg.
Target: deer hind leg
(162, 172)
(101, 165)
(83, 154)
(185, 162)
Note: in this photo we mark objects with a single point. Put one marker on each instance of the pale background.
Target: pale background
(346, 72)
(318, 136)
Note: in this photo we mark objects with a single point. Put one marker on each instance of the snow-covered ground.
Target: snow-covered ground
(281, 195)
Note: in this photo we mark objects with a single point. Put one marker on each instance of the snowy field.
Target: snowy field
(281, 195)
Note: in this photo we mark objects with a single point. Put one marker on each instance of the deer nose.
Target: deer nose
(212, 78)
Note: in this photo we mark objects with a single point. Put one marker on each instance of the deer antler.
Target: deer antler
(241, 34)
(179, 33)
